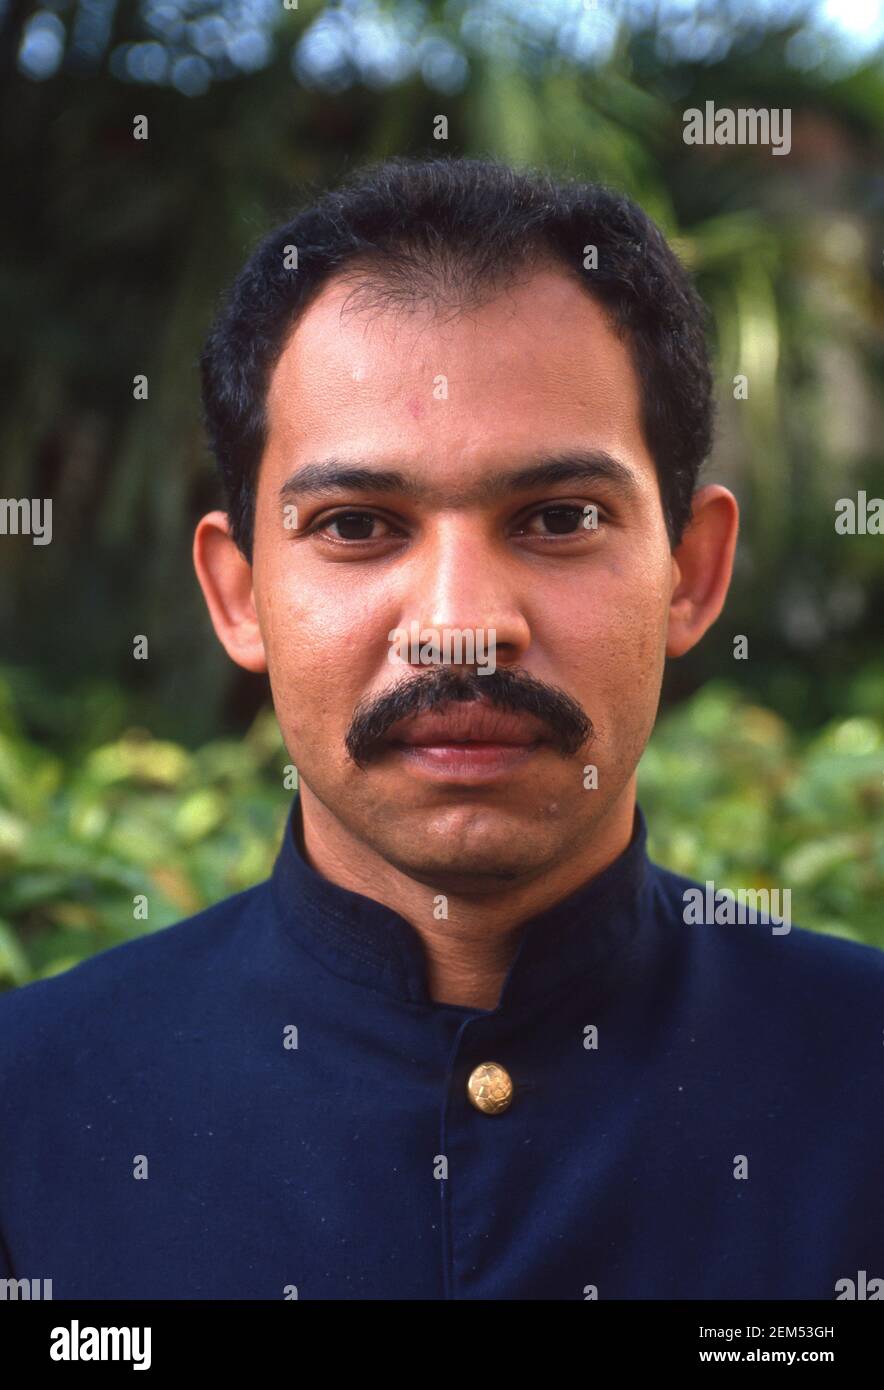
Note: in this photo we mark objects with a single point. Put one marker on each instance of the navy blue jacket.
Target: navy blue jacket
(317, 1170)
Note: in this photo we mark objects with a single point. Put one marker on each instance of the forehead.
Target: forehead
(538, 365)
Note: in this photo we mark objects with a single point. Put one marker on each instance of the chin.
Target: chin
(472, 855)
(454, 876)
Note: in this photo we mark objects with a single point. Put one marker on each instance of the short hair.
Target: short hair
(456, 228)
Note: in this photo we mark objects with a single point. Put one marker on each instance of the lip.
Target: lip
(465, 762)
(471, 742)
(475, 724)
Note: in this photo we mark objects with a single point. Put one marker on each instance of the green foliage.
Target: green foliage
(733, 795)
(730, 793)
(81, 839)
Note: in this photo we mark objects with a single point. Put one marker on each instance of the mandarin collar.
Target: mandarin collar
(582, 941)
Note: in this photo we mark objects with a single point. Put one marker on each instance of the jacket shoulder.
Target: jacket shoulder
(150, 967)
(773, 943)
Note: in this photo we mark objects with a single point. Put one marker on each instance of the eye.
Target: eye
(353, 526)
(564, 519)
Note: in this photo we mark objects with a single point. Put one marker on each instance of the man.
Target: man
(467, 1042)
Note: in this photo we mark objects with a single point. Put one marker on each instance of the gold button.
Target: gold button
(490, 1088)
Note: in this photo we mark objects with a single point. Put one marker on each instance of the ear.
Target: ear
(702, 566)
(225, 577)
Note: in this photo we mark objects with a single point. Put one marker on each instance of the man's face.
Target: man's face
(459, 405)
(456, 403)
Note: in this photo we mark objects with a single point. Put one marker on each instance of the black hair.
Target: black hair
(453, 229)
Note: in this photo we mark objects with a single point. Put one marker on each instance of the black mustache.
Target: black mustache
(506, 688)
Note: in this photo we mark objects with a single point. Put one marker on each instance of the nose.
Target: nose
(464, 592)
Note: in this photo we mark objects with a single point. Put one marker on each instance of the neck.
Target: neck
(468, 953)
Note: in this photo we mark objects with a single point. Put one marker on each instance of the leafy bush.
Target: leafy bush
(731, 794)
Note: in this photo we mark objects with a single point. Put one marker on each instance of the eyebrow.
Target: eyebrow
(584, 466)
